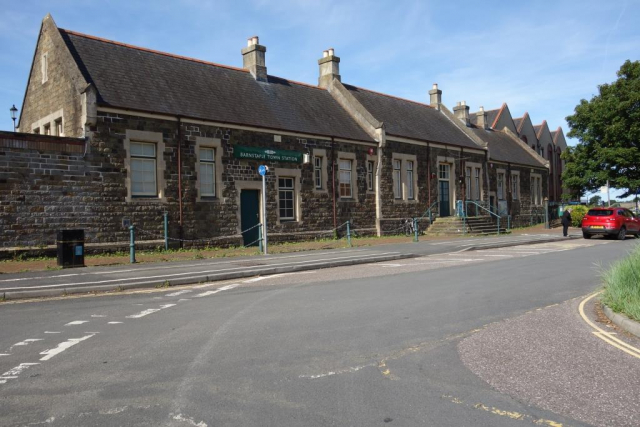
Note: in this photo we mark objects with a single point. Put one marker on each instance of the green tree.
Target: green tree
(595, 200)
(608, 128)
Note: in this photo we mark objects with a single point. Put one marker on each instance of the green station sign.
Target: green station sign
(255, 153)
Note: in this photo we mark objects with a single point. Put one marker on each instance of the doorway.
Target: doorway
(250, 216)
(444, 171)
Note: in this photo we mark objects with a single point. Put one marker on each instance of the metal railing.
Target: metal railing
(465, 222)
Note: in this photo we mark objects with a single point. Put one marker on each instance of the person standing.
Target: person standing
(566, 222)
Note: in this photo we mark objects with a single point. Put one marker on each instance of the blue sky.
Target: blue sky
(539, 56)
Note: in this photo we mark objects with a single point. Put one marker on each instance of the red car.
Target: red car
(616, 222)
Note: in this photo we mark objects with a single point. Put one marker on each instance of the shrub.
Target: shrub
(577, 213)
(622, 286)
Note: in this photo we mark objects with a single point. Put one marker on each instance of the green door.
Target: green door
(250, 216)
(444, 199)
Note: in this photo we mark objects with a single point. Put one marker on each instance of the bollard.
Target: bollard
(260, 237)
(349, 233)
(132, 244)
(166, 231)
(415, 229)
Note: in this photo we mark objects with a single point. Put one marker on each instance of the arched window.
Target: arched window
(524, 138)
(552, 175)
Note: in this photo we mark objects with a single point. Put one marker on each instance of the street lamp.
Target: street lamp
(14, 115)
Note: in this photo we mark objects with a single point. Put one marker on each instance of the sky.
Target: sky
(541, 56)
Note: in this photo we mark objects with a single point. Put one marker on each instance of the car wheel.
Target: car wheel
(586, 235)
(622, 233)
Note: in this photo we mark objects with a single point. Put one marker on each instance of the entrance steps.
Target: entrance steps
(473, 226)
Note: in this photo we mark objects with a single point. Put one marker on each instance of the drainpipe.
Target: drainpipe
(333, 181)
(381, 143)
(180, 177)
(429, 175)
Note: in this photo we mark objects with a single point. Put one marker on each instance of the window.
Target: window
(207, 172)
(397, 179)
(539, 189)
(345, 178)
(58, 127)
(45, 67)
(542, 152)
(443, 171)
(36, 130)
(476, 189)
(370, 167)
(536, 190)
(467, 182)
(317, 172)
(515, 186)
(47, 129)
(286, 198)
(410, 191)
(500, 185)
(143, 169)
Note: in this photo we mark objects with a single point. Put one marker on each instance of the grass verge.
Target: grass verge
(622, 286)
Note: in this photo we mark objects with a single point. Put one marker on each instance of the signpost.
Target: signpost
(262, 170)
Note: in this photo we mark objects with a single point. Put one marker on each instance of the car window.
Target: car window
(620, 212)
(597, 212)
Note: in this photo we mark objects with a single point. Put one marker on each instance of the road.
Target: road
(408, 342)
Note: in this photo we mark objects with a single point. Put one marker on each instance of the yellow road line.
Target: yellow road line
(607, 336)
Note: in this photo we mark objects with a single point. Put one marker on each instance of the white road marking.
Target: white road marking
(114, 323)
(149, 311)
(206, 294)
(14, 372)
(52, 332)
(342, 371)
(214, 272)
(98, 315)
(502, 256)
(184, 299)
(227, 287)
(391, 265)
(4, 354)
(26, 342)
(175, 294)
(77, 322)
(188, 420)
(48, 354)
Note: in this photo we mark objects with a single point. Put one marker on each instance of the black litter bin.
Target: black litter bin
(70, 248)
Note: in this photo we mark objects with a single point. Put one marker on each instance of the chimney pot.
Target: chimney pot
(253, 59)
(329, 68)
(435, 96)
(461, 111)
(458, 104)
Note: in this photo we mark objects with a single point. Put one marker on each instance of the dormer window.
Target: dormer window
(45, 67)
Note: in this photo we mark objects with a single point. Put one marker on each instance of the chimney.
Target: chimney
(435, 96)
(329, 68)
(482, 118)
(253, 59)
(461, 111)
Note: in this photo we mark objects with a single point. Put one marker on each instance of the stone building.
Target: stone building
(111, 132)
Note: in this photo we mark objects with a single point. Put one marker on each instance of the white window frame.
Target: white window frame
(371, 173)
(397, 179)
(536, 190)
(47, 129)
(317, 172)
(206, 163)
(324, 177)
(500, 193)
(59, 129)
(287, 190)
(410, 178)
(345, 177)
(477, 172)
(144, 159)
(467, 182)
(156, 138)
(515, 185)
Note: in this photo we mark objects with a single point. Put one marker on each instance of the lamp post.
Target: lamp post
(14, 112)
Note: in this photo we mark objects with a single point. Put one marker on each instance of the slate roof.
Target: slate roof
(410, 119)
(491, 117)
(503, 148)
(139, 79)
(517, 122)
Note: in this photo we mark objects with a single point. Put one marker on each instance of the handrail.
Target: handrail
(464, 214)
(428, 211)
(478, 205)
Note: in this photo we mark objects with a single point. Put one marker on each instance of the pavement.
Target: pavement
(147, 275)
(400, 342)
